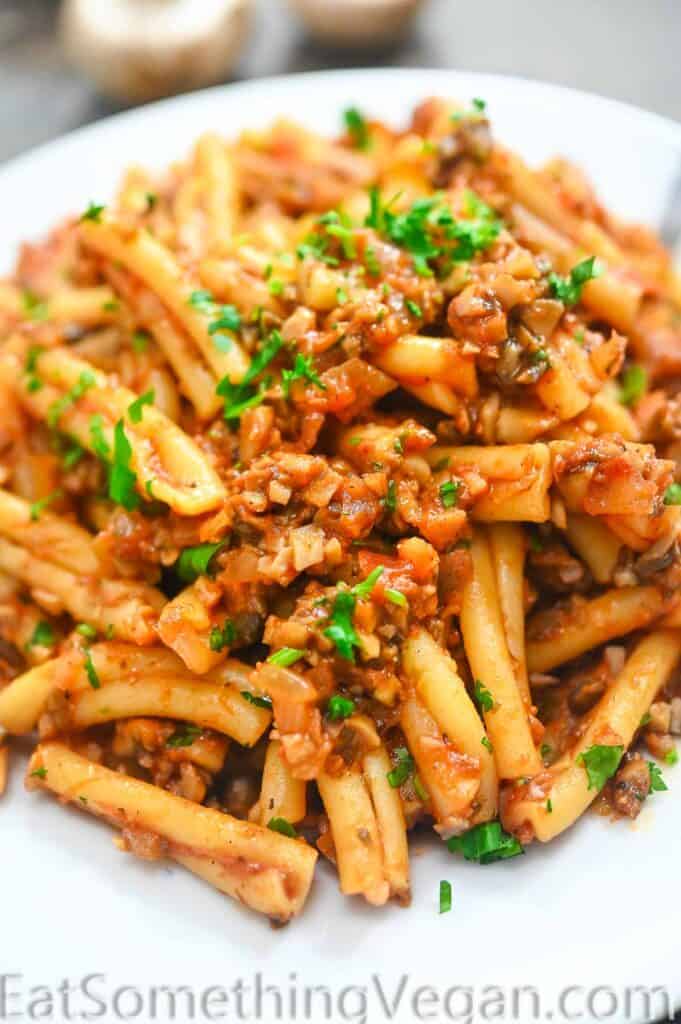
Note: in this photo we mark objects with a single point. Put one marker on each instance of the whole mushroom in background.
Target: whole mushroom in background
(138, 50)
(357, 23)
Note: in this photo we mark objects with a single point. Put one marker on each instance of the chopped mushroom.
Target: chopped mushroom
(631, 786)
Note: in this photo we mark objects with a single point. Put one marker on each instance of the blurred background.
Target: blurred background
(64, 64)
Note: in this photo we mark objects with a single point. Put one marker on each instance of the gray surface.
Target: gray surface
(628, 49)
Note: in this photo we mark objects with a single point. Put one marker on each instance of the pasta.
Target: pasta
(340, 498)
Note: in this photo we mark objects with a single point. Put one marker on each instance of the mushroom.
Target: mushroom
(356, 22)
(138, 50)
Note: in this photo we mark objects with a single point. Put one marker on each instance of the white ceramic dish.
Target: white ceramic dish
(599, 907)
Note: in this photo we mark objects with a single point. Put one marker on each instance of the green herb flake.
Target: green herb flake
(42, 636)
(61, 405)
(341, 296)
(449, 493)
(35, 309)
(122, 479)
(195, 561)
(545, 751)
(286, 656)
(601, 763)
(487, 743)
(671, 757)
(284, 827)
(390, 500)
(258, 702)
(86, 630)
(72, 456)
(140, 341)
(396, 597)
(483, 697)
(633, 384)
(275, 286)
(404, 767)
(357, 128)
(184, 736)
(339, 708)
(672, 495)
(549, 806)
(93, 213)
(341, 631)
(413, 308)
(99, 443)
(657, 783)
(303, 369)
(445, 897)
(91, 671)
(569, 290)
(218, 638)
(38, 507)
(243, 396)
(485, 844)
(136, 408)
(39, 773)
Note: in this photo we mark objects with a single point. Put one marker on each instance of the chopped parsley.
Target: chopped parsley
(672, 495)
(282, 826)
(151, 199)
(339, 708)
(91, 671)
(61, 405)
(413, 308)
(303, 369)
(569, 289)
(545, 751)
(482, 695)
(404, 767)
(86, 630)
(259, 702)
(476, 112)
(122, 479)
(396, 597)
(72, 456)
(445, 897)
(195, 561)
(39, 773)
(221, 638)
(549, 806)
(223, 318)
(42, 636)
(100, 445)
(315, 246)
(341, 296)
(633, 384)
(242, 396)
(390, 500)
(657, 783)
(286, 656)
(203, 301)
(140, 341)
(357, 128)
(94, 213)
(487, 744)
(184, 736)
(136, 408)
(485, 844)
(449, 493)
(363, 589)
(275, 286)
(371, 261)
(35, 308)
(341, 631)
(38, 507)
(671, 757)
(601, 763)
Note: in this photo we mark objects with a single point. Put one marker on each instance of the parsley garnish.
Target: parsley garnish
(445, 897)
(184, 737)
(545, 751)
(485, 844)
(72, 455)
(569, 289)
(33, 382)
(657, 783)
(195, 561)
(396, 597)
(225, 318)
(339, 708)
(483, 696)
(39, 773)
(242, 396)
(203, 301)
(122, 479)
(449, 493)
(357, 128)
(93, 213)
(487, 744)
(286, 656)
(601, 763)
(86, 630)
(342, 631)
(633, 384)
(390, 500)
(100, 445)
(35, 308)
(413, 308)
(671, 757)
(91, 671)
(42, 636)
(259, 702)
(37, 507)
(140, 341)
(136, 408)
(363, 589)
(221, 638)
(283, 826)
(303, 369)
(61, 405)
(404, 767)
(476, 112)
(672, 495)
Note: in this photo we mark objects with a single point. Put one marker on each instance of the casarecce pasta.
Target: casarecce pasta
(338, 500)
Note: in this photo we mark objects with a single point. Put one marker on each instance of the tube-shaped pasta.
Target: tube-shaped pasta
(391, 824)
(163, 457)
(595, 544)
(261, 868)
(154, 264)
(416, 359)
(519, 477)
(435, 677)
(185, 626)
(220, 193)
(487, 651)
(52, 538)
(556, 798)
(281, 795)
(127, 608)
(507, 544)
(355, 836)
(556, 638)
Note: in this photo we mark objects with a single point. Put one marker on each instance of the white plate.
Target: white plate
(598, 907)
